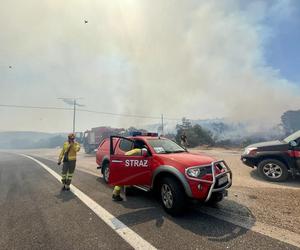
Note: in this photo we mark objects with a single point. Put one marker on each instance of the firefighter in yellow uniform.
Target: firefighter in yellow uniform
(117, 189)
(68, 156)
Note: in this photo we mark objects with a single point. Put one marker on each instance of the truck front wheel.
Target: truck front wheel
(172, 196)
(273, 170)
(215, 198)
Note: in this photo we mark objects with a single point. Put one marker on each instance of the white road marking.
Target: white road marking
(277, 233)
(132, 238)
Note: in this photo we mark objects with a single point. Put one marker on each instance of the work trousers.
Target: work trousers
(184, 144)
(117, 190)
(67, 172)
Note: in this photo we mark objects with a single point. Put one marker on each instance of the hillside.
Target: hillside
(28, 139)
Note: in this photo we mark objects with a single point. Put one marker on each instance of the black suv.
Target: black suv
(275, 159)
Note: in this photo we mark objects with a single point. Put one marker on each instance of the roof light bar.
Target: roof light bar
(138, 133)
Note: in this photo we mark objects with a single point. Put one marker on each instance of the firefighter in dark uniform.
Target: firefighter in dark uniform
(183, 139)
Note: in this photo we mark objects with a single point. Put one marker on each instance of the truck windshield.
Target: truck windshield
(165, 146)
(292, 137)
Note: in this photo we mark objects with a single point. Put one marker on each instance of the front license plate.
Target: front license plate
(222, 180)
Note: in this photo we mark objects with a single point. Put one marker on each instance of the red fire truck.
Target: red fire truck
(164, 167)
(92, 138)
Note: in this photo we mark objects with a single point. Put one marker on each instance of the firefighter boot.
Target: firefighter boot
(116, 194)
(67, 188)
(117, 197)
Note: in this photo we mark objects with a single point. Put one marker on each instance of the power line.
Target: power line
(88, 111)
(33, 107)
(127, 115)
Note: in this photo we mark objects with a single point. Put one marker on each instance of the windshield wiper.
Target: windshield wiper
(173, 152)
(168, 152)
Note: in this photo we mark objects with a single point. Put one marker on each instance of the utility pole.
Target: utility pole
(162, 124)
(74, 115)
(73, 102)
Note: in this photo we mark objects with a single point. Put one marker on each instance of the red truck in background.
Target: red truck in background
(92, 138)
(164, 167)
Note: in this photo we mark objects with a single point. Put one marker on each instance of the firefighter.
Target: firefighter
(68, 156)
(117, 189)
(184, 141)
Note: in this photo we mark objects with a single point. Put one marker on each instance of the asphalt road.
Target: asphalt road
(35, 214)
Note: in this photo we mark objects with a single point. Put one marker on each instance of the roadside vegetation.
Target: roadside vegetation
(197, 135)
(200, 136)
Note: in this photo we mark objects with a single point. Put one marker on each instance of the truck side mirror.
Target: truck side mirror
(144, 152)
(293, 143)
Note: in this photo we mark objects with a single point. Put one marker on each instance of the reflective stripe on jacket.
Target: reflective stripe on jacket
(75, 147)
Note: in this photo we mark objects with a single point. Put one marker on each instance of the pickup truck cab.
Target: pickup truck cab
(275, 160)
(164, 167)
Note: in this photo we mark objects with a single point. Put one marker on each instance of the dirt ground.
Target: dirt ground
(275, 204)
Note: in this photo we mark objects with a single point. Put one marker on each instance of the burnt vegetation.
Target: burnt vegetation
(291, 121)
(195, 133)
(221, 134)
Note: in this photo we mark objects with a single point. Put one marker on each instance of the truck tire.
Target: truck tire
(105, 171)
(172, 196)
(273, 170)
(215, 198)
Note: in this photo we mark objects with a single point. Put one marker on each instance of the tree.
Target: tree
(204, 136)
(185, 124)
(291, 121)
(196, 135)
(219, 127)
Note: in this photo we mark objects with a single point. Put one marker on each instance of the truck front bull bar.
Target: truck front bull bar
(227, 171)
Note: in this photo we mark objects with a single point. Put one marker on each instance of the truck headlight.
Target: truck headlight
(194, 172)
(250, 151)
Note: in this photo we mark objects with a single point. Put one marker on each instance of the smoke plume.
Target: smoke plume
(198, 59)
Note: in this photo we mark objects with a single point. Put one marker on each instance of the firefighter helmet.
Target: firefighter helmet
(71, 136)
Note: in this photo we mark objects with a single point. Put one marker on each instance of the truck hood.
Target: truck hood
(267, 144)
(186, 159)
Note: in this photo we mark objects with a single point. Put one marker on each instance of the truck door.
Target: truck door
(128, 170)
(296, 153)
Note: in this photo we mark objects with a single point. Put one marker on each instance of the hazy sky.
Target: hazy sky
(200, 59)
